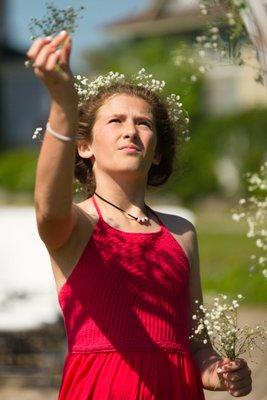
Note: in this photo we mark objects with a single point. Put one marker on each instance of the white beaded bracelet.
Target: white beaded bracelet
(58, 135)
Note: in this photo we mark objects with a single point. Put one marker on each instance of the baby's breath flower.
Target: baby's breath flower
(28, 64)
(236, 217)
(55, 21)
(37, 133)
(214, 29)
(207, 45)
(218, 323)
(254, 210)
(227, 34)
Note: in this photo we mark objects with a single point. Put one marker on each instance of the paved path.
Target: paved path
(251, 316)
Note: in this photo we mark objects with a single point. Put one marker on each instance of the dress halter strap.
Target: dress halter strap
(97, 208)
(153, 212)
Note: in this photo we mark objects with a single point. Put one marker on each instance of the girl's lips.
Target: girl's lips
(130, 149)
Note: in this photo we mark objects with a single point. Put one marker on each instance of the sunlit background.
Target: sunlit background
(228, 120)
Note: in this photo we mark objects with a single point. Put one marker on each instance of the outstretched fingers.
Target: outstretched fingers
(37, 46)
(65, 53)
(52, 61)
(42, 48)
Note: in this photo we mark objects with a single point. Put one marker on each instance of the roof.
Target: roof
(163, 17)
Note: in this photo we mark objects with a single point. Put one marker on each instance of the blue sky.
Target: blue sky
(90, 32)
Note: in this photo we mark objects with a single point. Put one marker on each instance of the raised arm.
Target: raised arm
(56, 215)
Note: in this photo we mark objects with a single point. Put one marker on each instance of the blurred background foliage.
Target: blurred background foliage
(241, 137)
(17, 170)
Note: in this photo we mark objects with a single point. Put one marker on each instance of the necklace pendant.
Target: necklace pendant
(142, 219)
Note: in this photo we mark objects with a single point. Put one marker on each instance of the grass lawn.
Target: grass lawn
(225, 258)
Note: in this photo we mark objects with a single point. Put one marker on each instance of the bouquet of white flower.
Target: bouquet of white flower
(218, 323)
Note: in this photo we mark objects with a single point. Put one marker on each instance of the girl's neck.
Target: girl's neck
(126, 195)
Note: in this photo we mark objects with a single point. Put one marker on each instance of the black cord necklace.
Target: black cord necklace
(138, 219)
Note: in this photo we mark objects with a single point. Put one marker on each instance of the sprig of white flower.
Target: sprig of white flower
(55, 21)
(254, 211)
(37, 134)
(221, 41)
(218, 324)
(196, 65)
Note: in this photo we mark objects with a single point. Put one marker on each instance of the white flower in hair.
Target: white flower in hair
(88, 89)
(147, 81)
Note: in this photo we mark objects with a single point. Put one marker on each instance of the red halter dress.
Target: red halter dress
(125, 309)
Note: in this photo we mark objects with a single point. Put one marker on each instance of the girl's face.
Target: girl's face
(123, 138)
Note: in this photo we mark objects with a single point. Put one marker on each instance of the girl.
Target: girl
(127, 277)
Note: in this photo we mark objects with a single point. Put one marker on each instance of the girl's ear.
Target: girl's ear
(84, 149)
(156, 159)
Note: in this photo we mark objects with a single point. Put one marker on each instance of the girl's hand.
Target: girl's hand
(50, 58)
(235, 376)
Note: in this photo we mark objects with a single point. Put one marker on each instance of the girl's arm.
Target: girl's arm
(216, 373)
(55, 213)
(207, 359)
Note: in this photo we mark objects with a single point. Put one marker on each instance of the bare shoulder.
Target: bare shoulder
(183, 231)
(87, 209)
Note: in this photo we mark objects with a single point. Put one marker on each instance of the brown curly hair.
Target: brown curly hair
(165, 128)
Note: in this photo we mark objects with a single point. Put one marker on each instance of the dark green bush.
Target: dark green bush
(17, 169)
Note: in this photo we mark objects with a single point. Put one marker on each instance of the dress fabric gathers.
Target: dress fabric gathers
(125, 309)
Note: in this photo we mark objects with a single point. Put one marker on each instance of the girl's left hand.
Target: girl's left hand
(236, 376)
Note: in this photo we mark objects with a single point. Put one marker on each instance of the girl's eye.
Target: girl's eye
(146, 123)
(115, 120)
